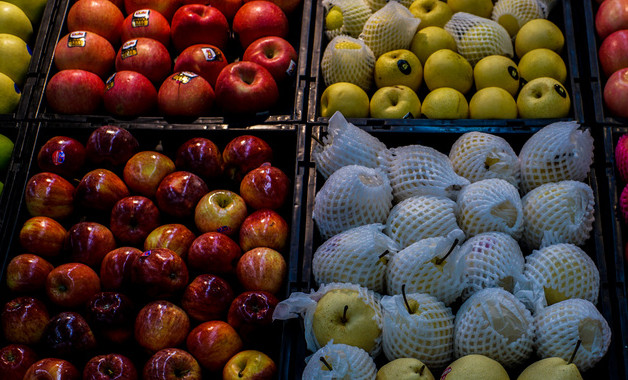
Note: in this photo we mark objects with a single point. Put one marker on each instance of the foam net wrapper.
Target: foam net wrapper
(477, 156)
(560, 326)
(304, 305)
(345, 144)
(352, 196)
(493, 322)
(521, 10)
(489, 260)
(560, 212)
(347, 363)
(420, 170)
(354, 256)
(427, 334)
(390, 28)
(421, 217)
(558, 152)
(547, 6)
(565, 268)
(490, 205)
(376, 5)
(416, 267)
(478, 37)
(348, 59)
(354, 15)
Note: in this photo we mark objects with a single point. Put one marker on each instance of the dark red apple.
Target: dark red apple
(616, 93)
(172, 364)
(202, 59)
(246, 87)
(43, 236)
(110, 144)
(227, 7)
(185, 94)
(159, 273)
(179, 192)
(27, 273)
(89, 242)
(112, 316)
(24, 320)
(146, 56)
(613, 52)
(220, 211)
(165, 7)
(100, 189)
(201, 157)
(262, 269)
(243, 154)
(133, 218)
(265, 187)
(71, 285)
(61, 155)
(15, 359)
(213, 343)
(52, 368)
(85, 51)
(199, 24)
(129, 93)
(75, 92)
(612, 15)
(251, 313)
(257, 19)
(213, 252)
(109, 367)
(208, 297)
(144, 171)
(161, 324)
(115, 269)
(98, 16)
(264, 228)
(68, 335)
(50, 195)
(288, 6)
(275, 54)
(147, 23)
(175, 237)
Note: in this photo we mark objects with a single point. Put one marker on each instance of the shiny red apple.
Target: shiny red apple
(144, 171)
(71, 285)
(251, 314)
(15, 359)
(133, 218)
(115, 269)
(147, 23)
(265, 187)
(214, 252)
(172, 364)
(175, 237)
(245, 153)
(129, 93)
(50, 195)
(109, 367)
(89, 242)
(257, 19)
(23, 320)
(61, 155)
(165, 7)
(111, 145)
(98, 16)
(68, 335)
(27, 273)
(84, 50)
(42, 236)
(264, 228)
(185, 93)
(213, 343)
(159, 273)
(199, 24)
(201, 157)
(276, 55)
(111, 315)
(76, 92)
(207, 297)
(146, 56)
(52, 368)
(616, 93)
(203, 59)
(179, 192)
(161, 324)
(246, 87)
(100, 189)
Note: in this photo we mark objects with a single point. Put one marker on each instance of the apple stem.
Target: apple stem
(344, 314)
(451, 249)
(317, 140)
(421, 370)
(159, 147)
(326, 363)
(241, 373)
(575, 350)
(405, 299)
(382, 255)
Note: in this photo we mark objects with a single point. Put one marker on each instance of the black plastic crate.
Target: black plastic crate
(561, 16)
(17, 132)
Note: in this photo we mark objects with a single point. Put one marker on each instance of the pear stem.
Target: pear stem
(317, 140)
(382, 255)
(344, 314)
(421, 370)
(451, 249)
(575, 350)
(405, 299)
(326, 363)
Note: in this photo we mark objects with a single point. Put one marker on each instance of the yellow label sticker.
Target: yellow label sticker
(140, 18)
(77, 39)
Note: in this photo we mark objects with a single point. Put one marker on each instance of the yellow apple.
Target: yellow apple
(431, 12)
(497, 71)
(482, 8)
(349, 99)
(395, 102)
(9, 94)
(445, 103)
(543, 98)
(446, 68)
(492, 103)
(542, 62)
(249, 365)
(398, 67)
(14, 21)
(33, 9)
(538, 33)
(16, 56)
(428, 40)
(404, 369)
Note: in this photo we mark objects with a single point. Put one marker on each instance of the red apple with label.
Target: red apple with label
(257, 19)
(265, 187)
(264, 228)
(15, 359)
(250, 365)
(612, 15)
(227, 7)
(115, 269)
(220, 211)
(71, 285)
(243, 154)
(246, 87)
(147, 23)
(129, 93)
(201, 157)
(24, 320)
(110, 145)
(175, 237)
(288, 6)
(27, 273)
(185, 94)
(165, 7)
(613, 52)
(52, 368)
(159, 273)
(43, 236)
(179, 192)
(262, 269)
(61, 155)
(133, 218)
(111, 315)
(144, 171)
(80, 50)
(161, 324)
(98, 16)
(275, 54)
(172, 364)
(207, 297)
(68, 335)
(50, 195)
(146, 56)
(89, 243)
(251, 314)
(214, 252)
(76, 92)
(203, 59)
(616, 93)
(110, 366)
(213, 343)
(100, 189)
(199, 24)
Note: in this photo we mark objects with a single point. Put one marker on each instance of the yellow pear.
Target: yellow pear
(445, 103)
(482, 8)
(349, 99)
(431, 39)
(538, 33)
(9, 95)
(551, 368)
(497, 71)
(16, 57)
(446, 68)
(404, 369)
(395, 102)
(543, 98)
(492, 103)
(542, 62)
(431, 12)
(14, 21)
(475, 367)
(399, 67)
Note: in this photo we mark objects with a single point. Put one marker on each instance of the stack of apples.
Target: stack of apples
(149, 264)
(119, 57)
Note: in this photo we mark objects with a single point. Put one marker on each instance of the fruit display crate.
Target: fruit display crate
(16, 132)
(290, 106)
(288, 145)
(612, 366)
(561, 15)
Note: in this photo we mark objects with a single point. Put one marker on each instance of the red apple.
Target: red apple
(110, 144)
(159, 273)
(251, 314)
(85, 51)
(98, 16)
(257, 19)
(265, 187)
(75, 92)
(202, 59)
(213, 252)
(15, 359)
(612, 15)
(144, 171)
(172, 364)
(262, 269)
(208, 297)
(68, 335)
(147, 23)
(616, 93)
(227, 7)
(185, 94)
(201, 157)
(61, 155)
(250, 365)
(50, 195)
(175, 237)
(246, 87)
(129, 93)
(220, 211)
(146, 56)
(213, 343)
(42, 236)
(27, 273)
(264, 228)
(199, 24)
(108, 367)
(275, 54)
(179, 192)
(161, 324)
(54, 369)
(111, 315)
(24, 320)
(72, 285)
(100, 189)
(287, 6)
(115, 269)
(165, 7)
(613, 52)
(88, 243)
(243, 154)
(133, 218)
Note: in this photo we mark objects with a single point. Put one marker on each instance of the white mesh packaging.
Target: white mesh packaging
(477, 156)
(346, 362)
(421, 269)
(559, 151)
(420, 170)
(494, 323)
(563, 271)
(345, 144)
(421, 217)
(376, 5)
(560, 326)
(354, 256)
(512, 14)
(547, 6)
(354, 15)
(352, 196)
(426, 334)
(477, 37)
(490, 205)
(489, 260)
(390, 28)
(348, 59)
(558, 212)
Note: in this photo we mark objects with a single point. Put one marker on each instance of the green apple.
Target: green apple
(482, 8)
(398, 67)
(497, 71)
(14, 21)
(10, 95)
(1, 187)
(16, 56)
(542, 62)
(492, 103)
(349, 99)
(543, 98)
(551, 368)
(446, 68)
(538, 33)
(395, 102)
(404, 369)
(476, 367)
(6, 149)
(431, 12)
(431, 39)
(445, 103)
(33, 9)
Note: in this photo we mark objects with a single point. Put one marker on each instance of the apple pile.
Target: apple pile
(173, 58)
(146, 264)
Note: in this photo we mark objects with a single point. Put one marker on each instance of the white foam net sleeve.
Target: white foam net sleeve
(559, 212)
(490, 205)
(478, 37)
(565, 268)
(427, 334)
(417, 266)
(347, 363)
(489, 260)
(354, 15)
(557, 152)
(477, 156)
(354, 256)
(390, 28)
(421, 217)
(420, 170)
(560, 326)
(352, 196)
(348, 59)
(345, 144)
(496, 324)
(522, 10)
(547, 6)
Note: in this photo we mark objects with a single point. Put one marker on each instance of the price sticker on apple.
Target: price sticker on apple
(184, 77)
(140, 18)
(292, 68)
(76, 39)
(110, 82)
(58, 157)
(129, 49)
(211, 54)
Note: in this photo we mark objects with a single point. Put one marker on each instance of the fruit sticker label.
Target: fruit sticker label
(109, 83)
(184, 77)
(129, 49)
(140, 18)
(444, 375)
(58, 157)
(404, 66)
(211, 54)
(76, 39)
(292, 68)
(513, 72)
